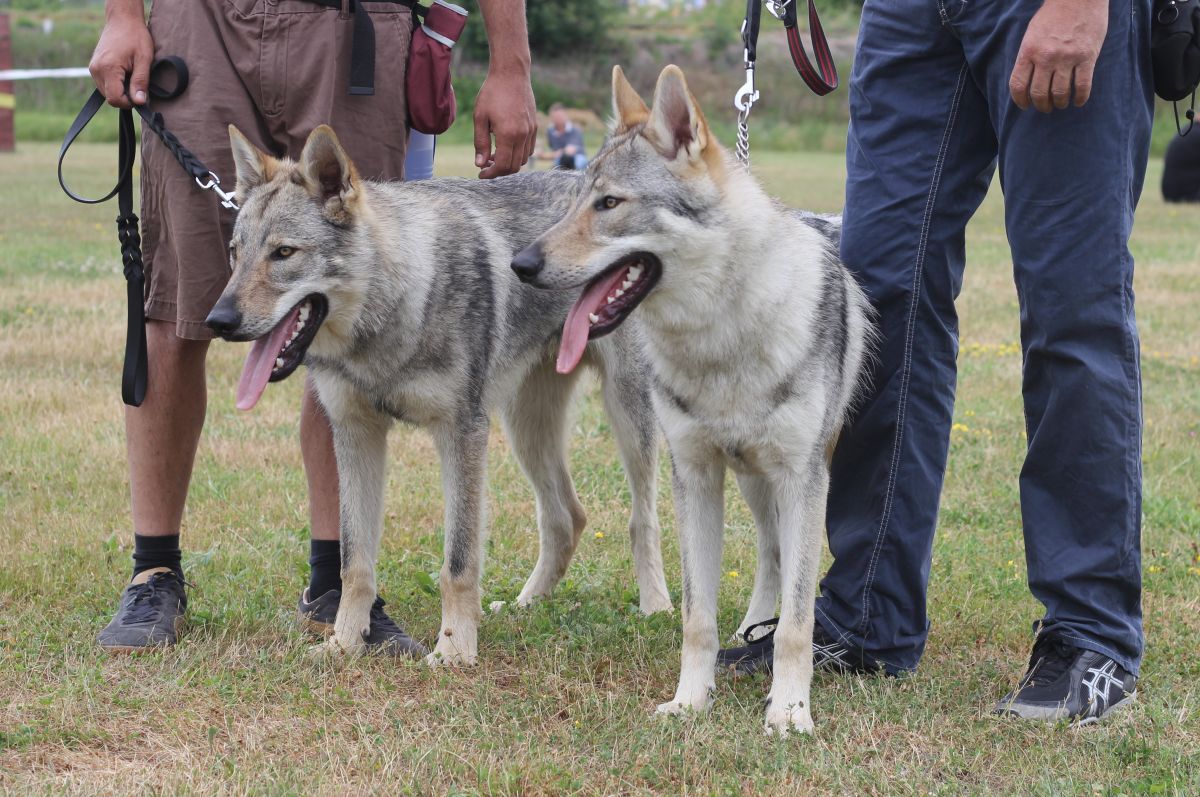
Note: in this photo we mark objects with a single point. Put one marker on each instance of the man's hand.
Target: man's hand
(1059, 53)
(125, 48)
(504, 109)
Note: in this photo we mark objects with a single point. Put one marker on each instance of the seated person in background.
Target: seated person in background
(1181, 169)
(565, 141)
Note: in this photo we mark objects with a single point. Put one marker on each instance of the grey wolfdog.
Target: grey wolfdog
(756, 335)
(400, 299)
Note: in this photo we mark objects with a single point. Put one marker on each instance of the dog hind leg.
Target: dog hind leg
(630, 408)
(536, 424)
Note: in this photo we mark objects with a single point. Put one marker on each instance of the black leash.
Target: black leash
(134, 374)
(362, 43)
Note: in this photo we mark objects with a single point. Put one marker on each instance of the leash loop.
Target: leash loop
(135, 371)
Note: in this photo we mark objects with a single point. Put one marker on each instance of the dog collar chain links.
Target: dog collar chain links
(821, 79)
(135, 371)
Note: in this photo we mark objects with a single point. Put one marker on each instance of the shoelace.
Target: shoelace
(144, 608)
(1051, 658)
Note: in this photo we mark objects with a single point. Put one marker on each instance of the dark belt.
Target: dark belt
(362, 47)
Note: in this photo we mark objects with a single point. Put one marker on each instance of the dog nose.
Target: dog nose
(528, 262)
(224, 318)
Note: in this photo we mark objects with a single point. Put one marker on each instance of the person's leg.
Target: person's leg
(320, 467)
(919, 159)
(1071, 182)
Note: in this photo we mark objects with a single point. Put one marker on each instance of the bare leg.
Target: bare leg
(320, 466)
(162, 435)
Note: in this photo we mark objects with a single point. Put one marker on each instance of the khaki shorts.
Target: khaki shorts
(276, 69)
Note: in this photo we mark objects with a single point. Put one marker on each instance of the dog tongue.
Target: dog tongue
(261, 359)
(577, 328)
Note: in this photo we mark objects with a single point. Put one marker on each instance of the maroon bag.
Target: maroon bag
(430, 95)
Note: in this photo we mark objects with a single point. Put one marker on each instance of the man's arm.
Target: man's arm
(125, 48)
(1058, 53)
(504, 108)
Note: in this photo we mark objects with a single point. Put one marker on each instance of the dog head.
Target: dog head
(649, 209)
(287, 254)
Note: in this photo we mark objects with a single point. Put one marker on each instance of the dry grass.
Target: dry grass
(562, 701)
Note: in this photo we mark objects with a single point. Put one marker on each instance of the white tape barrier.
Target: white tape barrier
(30, 74)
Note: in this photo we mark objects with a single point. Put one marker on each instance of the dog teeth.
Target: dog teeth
(612, 298)
(626, 285)
(635, 272)
(299, 326)
(278, 362)
(620, 292)
(304, 313)
(595, 319)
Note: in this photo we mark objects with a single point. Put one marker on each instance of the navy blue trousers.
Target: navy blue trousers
(931, 116)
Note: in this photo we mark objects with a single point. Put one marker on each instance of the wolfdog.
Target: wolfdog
(399, 299)
(756, 336)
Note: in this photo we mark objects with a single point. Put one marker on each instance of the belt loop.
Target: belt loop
(345, 12)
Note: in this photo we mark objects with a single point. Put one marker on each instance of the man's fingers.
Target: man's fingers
(1083, 81)
(139, 82)
(1060, 88)
(113, 87)
(1039, 88)
(1018, 83)
(483, 140)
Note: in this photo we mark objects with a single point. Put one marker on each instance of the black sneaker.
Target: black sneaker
(758, 654)
(386, 638)
(150, 614)
(1068, 683)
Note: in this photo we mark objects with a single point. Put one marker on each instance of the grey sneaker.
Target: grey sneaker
(150, 614)
(386, 638)
(1064, 682)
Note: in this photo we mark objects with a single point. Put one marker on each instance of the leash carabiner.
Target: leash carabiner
(213, 183)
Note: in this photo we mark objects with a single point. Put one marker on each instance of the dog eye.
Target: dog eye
(283, 252)
(608, 203)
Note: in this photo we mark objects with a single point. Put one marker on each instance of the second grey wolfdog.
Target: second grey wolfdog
(756, 335)
(400, 300)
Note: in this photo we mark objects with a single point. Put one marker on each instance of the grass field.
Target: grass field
(562, 700)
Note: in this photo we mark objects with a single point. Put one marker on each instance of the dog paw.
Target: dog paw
(783, 720)
(655, 604)
(448, 654)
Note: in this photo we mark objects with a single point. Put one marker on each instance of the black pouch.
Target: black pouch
(1175, 48)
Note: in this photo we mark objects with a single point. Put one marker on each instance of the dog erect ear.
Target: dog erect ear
(676, 124)
(629, 108)
(254, 167)
(329, 175)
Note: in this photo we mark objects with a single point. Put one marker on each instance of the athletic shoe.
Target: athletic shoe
(758, 654)
(1065, 682)
(150, 614)
(386, 638)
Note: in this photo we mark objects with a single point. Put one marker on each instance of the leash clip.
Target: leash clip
(214, 185)
(747, 95)
(777, 7)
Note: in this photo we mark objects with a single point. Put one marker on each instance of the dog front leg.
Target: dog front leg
(360, 445)
(463, 451)
(700, 515)
(801, 526)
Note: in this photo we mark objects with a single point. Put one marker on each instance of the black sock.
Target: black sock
(152, 552)
(325, 561)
